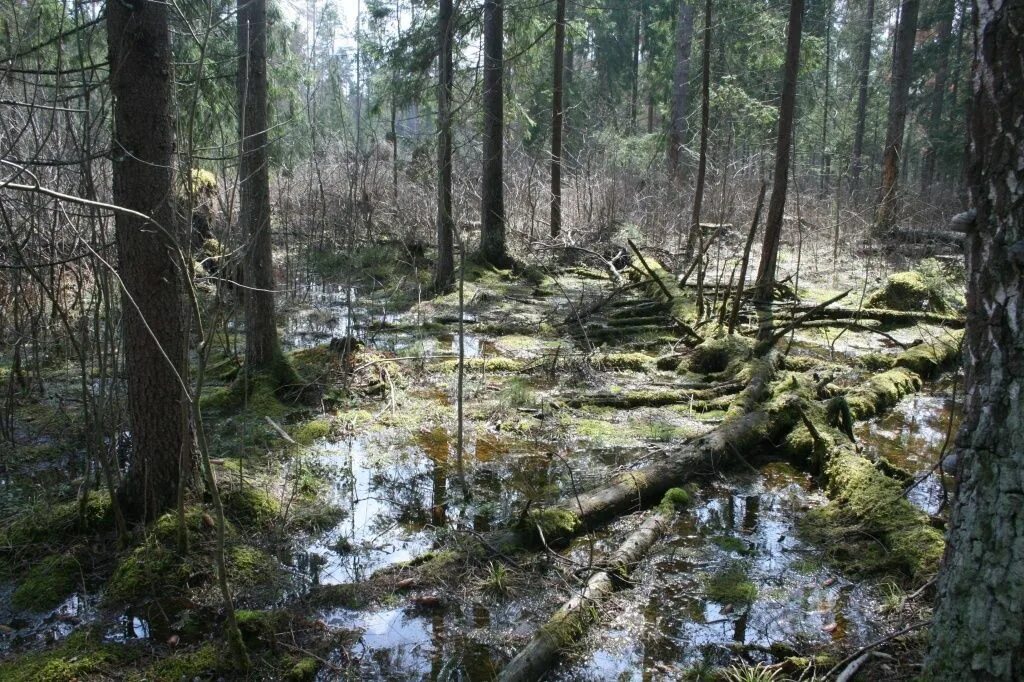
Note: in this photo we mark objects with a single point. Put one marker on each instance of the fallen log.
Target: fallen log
(574, 616)
(657, 397)
(883, 315)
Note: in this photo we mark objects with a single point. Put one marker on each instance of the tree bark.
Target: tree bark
(445, 271)
(976, 631)
(150, 261)
(702, 160)
(899, 93)
(860, 119)
(938, 102)
(492, 195)
(262, 346)
(773, 226)
(557, 114)
(680, 85)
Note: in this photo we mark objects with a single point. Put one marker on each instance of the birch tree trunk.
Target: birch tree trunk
(976, 632)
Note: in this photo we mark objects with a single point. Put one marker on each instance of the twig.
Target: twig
(874, 645)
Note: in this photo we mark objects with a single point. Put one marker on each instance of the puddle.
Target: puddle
(30, 630)
(672, 620)
(911, 436)
(388, 493)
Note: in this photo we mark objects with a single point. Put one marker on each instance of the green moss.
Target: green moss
(346, 595)
(309, 432)
(719, 355)
(81, 656)
(147, 571)
(185, 666)
(928, 359)
(730, 543)
(635, 362)
(554, 521)
(47, 583)
(494, 364)
(304, 670)
(731, 585)
(876, 362)
(250, 506)
(48, 525)
(249, 566)
(257, 394)
(675, 499)
(906, 291)
(881, 392)
(868, 526)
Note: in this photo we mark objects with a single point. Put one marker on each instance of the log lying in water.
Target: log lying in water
(883, 315)
(572, 619)
(656, 397)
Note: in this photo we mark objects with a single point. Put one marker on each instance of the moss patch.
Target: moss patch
(675, 499)
(47, 583)
(554, 521)
(906, 291)
(715, 356)
(202, 663)
(250, 506)
(881, 392)
(869, 528)
(80, 656)
(731, 585)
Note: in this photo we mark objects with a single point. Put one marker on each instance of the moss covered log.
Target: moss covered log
(572, 619)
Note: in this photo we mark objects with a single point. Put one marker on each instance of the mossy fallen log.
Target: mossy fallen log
(883, 315)
(656, 397)
(572, 619)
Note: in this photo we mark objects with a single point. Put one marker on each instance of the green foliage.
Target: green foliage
(554, 521)
(675, 499)
(250, 506)
(760, 672)
(518, 393)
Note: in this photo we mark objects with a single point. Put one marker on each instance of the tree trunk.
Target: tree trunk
(899, 93)
(938, 93)
(634, 100)
(777, 204)
(680, 85)
(262, 346)
(445, 272)
(976, 631)
(556, 120)
(702, 161)
(860, 120)
(492, 195)
(150, 261)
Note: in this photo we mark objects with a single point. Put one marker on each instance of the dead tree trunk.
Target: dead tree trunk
(976, 631)
(899, 94)
(764, 287)
(557, 114)
(150, 259)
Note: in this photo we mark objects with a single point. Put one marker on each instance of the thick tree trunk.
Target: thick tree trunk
(492, 195)
(777, 204)
(150, 262)
(976, 631)
(899, 94)
(262, 346)
(938, 92)
(680, 85)
(860, 119)
(557, 113)
(445, 272)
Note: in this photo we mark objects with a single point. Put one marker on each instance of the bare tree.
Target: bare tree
(557, 113)
(899, 94)
(764, 287)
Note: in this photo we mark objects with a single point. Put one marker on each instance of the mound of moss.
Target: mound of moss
(247, 505)
(719, 355)
(47, 583)
(83, 655)
(927, 288)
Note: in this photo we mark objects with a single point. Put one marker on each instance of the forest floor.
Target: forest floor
(363, 545)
